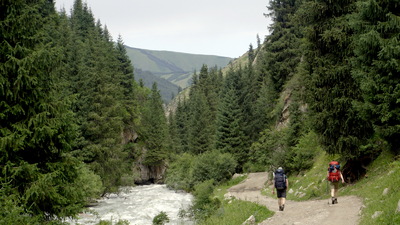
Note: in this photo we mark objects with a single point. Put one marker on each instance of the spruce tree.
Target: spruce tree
(376, 66)
(154, 129)
(201, 120)
(230, 137)
(282, 52)
(38, 174)
(332, 89)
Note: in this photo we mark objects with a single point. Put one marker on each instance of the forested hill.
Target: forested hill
(176, 67)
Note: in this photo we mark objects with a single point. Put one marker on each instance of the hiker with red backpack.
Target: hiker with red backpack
(280, 183)
(334, 176)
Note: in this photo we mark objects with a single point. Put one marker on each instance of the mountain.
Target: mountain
(174, 67)
(168, 90)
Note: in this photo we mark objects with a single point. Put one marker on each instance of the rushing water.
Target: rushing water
(139, 205)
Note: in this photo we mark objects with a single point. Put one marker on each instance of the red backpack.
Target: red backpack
(334, 171)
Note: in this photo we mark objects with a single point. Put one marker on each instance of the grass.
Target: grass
(235, 211)
(383, 173)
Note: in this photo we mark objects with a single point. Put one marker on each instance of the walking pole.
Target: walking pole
(327, 189)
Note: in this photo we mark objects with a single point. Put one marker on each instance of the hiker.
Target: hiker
(334, 176)
(280, 183)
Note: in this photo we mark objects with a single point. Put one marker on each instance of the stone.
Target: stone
(301, 194)
(376, 214)
(398, 207)
(250, 221)
(385, 191)
(290, 191)
(227, 196)
(236, 175)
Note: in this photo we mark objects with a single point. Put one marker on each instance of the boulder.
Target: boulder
(376, 214)
(385, 191)
(398, 207)
(250, 221)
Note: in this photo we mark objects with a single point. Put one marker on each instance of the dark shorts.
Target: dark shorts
(281, 193)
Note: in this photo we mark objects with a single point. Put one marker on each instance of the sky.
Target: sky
(210, 27)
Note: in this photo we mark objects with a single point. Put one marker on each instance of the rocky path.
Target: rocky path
(314, 212)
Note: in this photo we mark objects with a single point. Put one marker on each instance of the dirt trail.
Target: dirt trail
(314, 212)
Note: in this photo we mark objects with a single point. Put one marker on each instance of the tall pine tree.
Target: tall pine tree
(331, 87)
(376, 66)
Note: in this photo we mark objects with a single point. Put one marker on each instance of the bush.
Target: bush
(161, 219)
(203, 205)
(188, 170)
(213, 165)
(179, 173)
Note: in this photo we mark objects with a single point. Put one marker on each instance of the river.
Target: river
(139, 205)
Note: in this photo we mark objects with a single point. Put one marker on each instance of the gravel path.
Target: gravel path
(314, 212)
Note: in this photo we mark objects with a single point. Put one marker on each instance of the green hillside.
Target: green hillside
(175, 67)
(167, 89)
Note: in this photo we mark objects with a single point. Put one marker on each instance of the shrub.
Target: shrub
(161, 219)
(204, 205)
(213, 165)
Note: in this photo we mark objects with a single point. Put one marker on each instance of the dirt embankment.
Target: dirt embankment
(314, 212)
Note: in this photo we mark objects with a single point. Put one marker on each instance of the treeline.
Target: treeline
(326, 77)
(70, 113)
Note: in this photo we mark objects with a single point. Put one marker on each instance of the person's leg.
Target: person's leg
(334, 191)
(283, 199)
(279, 193)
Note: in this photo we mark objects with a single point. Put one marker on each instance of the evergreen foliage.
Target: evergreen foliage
(154, 129)
(68, 102)
(39, 177)
(332, 88)
(230, 137)
(376, 66)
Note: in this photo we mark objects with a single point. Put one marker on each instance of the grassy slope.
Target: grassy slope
(174, 66)
(383, 173)
(235, 211)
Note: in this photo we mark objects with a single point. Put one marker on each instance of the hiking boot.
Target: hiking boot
(280, 208)
(333, 200)
(283, 207)
(336, 201)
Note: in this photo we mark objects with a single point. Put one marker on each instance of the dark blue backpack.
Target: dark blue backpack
(280, 180)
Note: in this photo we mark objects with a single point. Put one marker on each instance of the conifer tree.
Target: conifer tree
(201, 120)
(332, 88)
(38, 174)
(182, 123)
(376, 66)
(282, 45)
(154, 128)
(230, 137)
(200, 135)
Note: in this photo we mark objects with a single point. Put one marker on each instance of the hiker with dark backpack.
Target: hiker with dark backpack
(334, 176)
(280, 183)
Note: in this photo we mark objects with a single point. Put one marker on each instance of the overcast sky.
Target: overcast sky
(211, 27)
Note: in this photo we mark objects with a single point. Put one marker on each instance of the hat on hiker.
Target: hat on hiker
(279, 170)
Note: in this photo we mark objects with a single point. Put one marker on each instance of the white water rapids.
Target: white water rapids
(139, 205)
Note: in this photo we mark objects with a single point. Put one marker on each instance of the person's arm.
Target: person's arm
(341, 176)
(273, 184)
(287, 183)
